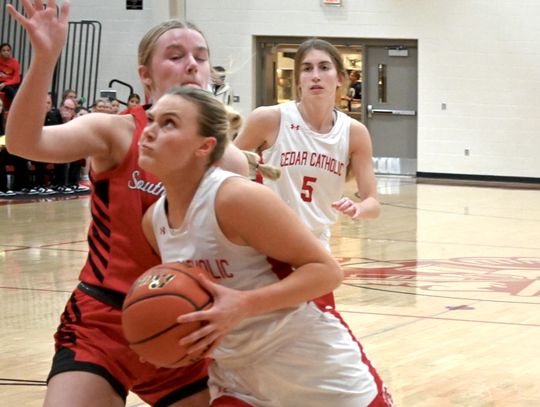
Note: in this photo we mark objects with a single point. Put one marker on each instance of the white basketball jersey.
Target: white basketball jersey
(293, 357)
(313, 167)
(201, 242)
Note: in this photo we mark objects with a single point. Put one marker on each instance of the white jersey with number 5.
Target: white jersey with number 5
(313, 167)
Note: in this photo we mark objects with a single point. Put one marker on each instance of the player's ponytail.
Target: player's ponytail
(267, 171)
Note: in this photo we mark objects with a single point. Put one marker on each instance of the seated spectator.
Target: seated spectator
(72, 94)
(42, 183)
(134, 100)
(115, 106)
(21, 182)
(10, 72)
(102, 106)
(4, 159)
(61, 182)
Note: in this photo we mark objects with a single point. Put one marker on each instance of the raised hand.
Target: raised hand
(46, 31)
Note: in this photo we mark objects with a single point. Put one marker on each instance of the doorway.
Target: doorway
(388, 78)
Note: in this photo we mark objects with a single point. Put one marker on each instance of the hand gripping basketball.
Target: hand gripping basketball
(151, 307)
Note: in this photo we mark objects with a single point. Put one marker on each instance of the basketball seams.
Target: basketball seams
(157, 334)
(196, 307)
(152, 306)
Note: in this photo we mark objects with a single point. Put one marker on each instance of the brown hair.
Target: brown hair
(321, 45)
(213, 120)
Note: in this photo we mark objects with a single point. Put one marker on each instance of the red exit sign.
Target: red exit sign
(331, 2)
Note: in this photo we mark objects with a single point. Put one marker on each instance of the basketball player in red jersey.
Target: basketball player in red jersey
(93, 364)
(315, 146)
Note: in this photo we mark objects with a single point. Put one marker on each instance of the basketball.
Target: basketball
(151, 307)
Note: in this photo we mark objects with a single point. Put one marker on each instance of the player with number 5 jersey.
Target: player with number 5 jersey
(313, 165)
(315, 145)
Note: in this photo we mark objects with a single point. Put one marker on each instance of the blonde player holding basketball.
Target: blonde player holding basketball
(93, 364)
(271, 346)
(315, 145)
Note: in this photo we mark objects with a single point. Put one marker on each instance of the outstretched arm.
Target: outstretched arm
(25, 135)
(47, 34)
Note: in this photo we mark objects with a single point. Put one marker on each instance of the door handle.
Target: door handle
(396, 112)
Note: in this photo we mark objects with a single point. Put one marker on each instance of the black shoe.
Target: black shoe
(80, 188)
(28, 191)
(64, 189)
(45, 191)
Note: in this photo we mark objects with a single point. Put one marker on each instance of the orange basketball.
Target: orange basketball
(151, 307)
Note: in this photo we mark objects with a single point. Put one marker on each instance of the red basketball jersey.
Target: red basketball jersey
(118, 251)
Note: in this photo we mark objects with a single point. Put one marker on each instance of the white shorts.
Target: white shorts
(319, 365)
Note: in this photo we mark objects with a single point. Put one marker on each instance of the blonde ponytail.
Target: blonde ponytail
(267, 171)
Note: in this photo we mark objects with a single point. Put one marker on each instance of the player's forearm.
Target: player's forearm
(304, 284)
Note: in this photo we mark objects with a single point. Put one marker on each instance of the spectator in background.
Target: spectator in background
(53, 115)
(4, 160)
(134, 100)
(21, 183)
(10, 72)
(42, 185)
(72, 94)
(66, 113)
(220, 88)
(70, 177)
(115, 106)
(102, 106)
(354, 94)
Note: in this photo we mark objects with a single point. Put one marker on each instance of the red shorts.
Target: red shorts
(90, 339)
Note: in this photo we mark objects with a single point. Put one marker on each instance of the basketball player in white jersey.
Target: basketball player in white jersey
(271, 346)
(315, 145)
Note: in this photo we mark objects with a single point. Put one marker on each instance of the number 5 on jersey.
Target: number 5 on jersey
(307, 189)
